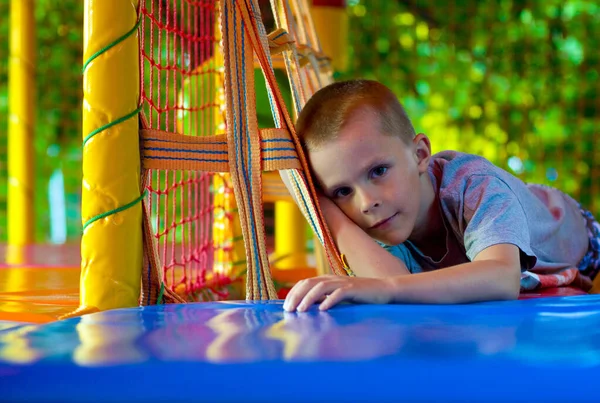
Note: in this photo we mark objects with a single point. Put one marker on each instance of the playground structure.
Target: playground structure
(243, 154)
(163, 64)
(166, 231)
(192, 233)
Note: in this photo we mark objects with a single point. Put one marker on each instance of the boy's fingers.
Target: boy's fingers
(292, 300)
(317, 293)
(296, 295)
(333, 299)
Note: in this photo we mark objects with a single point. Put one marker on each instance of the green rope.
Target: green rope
(110, 45)
(115, 211)
(159, 300)
(110, 124)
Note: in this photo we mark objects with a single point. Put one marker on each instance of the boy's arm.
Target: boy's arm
(365, 257)
(493, 275)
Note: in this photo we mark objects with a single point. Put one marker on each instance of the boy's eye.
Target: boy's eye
(342, 192)
(379, 171)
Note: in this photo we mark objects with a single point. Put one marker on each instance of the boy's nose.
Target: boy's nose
(369, 203)
(370, 208)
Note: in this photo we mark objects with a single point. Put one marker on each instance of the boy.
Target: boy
(422, 228)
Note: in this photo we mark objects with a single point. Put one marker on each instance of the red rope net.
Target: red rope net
(191, 212)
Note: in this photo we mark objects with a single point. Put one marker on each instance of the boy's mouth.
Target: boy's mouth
(383, 223)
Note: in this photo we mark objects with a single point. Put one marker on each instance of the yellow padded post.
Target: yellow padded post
(290, 236)
(111, 245)
(21, 84)
(330, 19)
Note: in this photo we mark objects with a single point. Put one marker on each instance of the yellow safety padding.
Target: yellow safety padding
(290, 236)
(331, 24)
(21, 112)
(111, 247)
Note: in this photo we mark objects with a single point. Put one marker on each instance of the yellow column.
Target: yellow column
(331, 23)
(21, 90)
(111, 244)
(290, 236)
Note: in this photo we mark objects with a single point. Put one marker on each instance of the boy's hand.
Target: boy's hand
(333, 289)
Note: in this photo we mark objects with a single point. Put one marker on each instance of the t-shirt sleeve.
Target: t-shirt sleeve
(494, 215)
(402, 253)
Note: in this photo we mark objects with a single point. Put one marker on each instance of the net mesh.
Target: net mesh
(192, 213)
(516, 82)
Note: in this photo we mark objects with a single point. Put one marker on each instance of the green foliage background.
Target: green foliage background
(513, 80)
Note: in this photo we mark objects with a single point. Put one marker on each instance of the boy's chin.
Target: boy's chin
(391, 240)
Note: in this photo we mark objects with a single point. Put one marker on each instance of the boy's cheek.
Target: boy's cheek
(351, 212)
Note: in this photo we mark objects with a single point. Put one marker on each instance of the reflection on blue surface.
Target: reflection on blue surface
(255, 351)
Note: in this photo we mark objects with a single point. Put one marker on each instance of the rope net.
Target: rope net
(196, 168)
(191, 213)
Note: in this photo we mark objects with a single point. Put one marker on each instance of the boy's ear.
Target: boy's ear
(422, 151)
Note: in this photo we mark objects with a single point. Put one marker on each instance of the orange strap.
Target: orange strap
(302, 183)
(172, 151)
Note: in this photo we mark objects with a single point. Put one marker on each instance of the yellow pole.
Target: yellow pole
(331, 23)
(111, 244)
(21, 89)
(290, 236)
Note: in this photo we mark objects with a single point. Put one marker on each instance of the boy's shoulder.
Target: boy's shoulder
(458, 157)
(452, 165)
(456, 174)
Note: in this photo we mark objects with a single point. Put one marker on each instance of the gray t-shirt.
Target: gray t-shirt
(483, 205)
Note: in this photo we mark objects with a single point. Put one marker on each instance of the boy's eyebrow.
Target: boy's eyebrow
(375, 162)
(328, 189)
(379, 160)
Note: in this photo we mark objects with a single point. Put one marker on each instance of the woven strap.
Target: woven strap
(304, 189)
(280, 40)
(243, 140)
(170, 151)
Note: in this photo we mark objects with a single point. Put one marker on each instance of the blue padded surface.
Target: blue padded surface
(541, 349)
(8, 325)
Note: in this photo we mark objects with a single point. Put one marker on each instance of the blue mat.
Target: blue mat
(534, 350)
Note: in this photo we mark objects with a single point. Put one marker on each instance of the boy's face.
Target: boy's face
(374, 178)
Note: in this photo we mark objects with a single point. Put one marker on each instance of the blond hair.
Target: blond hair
(329, 110)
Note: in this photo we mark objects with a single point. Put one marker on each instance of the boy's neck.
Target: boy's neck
(429, 235)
